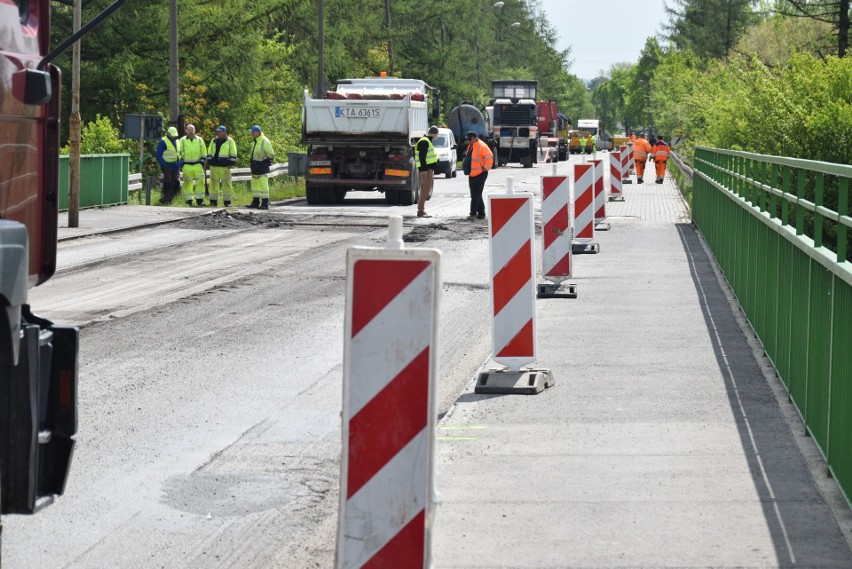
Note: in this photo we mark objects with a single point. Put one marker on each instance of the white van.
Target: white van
(445, 147)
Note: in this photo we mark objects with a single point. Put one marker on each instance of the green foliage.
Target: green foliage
(709, 28)
(101, 137)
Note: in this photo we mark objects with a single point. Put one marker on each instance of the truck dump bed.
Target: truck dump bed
(367, 110)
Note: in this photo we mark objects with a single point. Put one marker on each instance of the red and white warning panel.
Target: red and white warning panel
(631, 163)
(584, 207)
(513, 291)
(556, 228)
(389, 382)
(625, 178)
(557, 263)
(600, 194)
(512, 278)
(615, 176)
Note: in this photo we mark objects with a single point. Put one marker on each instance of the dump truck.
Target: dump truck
(514, 121)
(38, 359)
(552, 130)
(361, 136)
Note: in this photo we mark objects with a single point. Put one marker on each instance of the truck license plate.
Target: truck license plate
(357, 112)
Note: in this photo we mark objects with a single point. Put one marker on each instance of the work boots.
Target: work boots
(189, 203)
(640, 180)
(227, 203)
(264, 204)
(199, 202)
(255, 203)
(215, 203)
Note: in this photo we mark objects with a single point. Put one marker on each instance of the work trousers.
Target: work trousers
(221, 176)
(193, 182)
(171, 183)
(259, 186)
(477, 185)
(661, 168)
(427, 179)
(640, 167)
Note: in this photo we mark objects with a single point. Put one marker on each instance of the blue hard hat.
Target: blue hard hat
(221, 128)
(255, 128)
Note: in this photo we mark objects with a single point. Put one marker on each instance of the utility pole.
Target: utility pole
(390, 39)
(320, 51)
(174, 106)
(75, 134)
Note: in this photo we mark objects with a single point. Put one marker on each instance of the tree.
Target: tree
(709, 28)
(834, 12)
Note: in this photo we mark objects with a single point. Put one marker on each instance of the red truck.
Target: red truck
(38, 359)
(552, 129)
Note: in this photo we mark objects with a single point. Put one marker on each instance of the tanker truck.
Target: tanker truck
(362, 136)
(466, 118)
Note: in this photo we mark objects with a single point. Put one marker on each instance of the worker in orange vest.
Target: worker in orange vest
(481, 161)
(641, 154)
(632, 136)
(661, 154)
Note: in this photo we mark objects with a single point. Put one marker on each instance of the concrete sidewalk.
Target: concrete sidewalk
(95, 221)
(662, 443)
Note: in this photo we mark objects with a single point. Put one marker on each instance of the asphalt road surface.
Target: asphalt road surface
(210, 380)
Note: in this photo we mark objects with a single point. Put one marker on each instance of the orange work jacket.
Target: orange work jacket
(641, 149)
(661, 151)
(481, 159)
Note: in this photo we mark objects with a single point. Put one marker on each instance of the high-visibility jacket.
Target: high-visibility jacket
(481, 158)
(262, 149)
(641, 149)
(192, 150)
(227, 152)
(172, 150)
(660, 151)
(593, 140)
(583, 142)
(431, 155)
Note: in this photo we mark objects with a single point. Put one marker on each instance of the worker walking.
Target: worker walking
(661, 155)
(641, 154)
(583, 142)
(481, 161)
(168, 157)
(262, 156)
(193, 154)
(221, 156)
(427, 158)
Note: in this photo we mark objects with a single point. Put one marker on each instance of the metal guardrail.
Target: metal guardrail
(779, 229)
(687, 171)
(134, 181)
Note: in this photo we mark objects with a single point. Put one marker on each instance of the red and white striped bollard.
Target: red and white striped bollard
(615, 176)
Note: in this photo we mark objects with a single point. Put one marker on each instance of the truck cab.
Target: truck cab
(515, 121)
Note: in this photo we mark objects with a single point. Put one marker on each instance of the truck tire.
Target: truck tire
(527, 161)
(312, 194)
(391, 197)
(339, 195)
(409, 195)
(327, 196)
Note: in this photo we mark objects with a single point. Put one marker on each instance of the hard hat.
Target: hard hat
(221, 128)
(255, 128)
(433, 129)
(172, 131)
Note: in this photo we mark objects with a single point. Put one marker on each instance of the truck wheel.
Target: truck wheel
(409, 195)
(391, 197)
(327, 195)
(454, 172)
(339, 195)
(312, 194)
(528, 161)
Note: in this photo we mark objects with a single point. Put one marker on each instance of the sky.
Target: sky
(603, 32)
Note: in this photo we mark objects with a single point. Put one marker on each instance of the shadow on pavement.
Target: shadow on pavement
(803, 529)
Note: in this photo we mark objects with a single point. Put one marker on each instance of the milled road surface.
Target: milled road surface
(210, 380)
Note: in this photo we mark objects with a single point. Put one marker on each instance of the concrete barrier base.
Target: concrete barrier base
(524, 382)
(581, 248)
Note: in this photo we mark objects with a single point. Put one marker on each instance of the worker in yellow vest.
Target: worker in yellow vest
(262, 156)
(193, 152)
(168, 157)
(426, 158)
(221, 156)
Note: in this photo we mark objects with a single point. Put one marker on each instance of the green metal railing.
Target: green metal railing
(780, 231)
(103, 180)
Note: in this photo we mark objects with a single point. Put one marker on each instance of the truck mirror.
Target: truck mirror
(32, 86)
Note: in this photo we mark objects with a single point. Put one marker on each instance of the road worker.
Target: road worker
(583, 142)
(481, 161)
(641, 154)
(633, 136)
(221, 156)
(427, 159)
(661, 155)
(192, 154)
(593, 142)
(168, 157)
(262, 156)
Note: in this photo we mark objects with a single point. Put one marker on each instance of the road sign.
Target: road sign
(153, 129)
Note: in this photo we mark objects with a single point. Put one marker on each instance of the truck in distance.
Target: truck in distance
(361, 137)
(515, 121)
